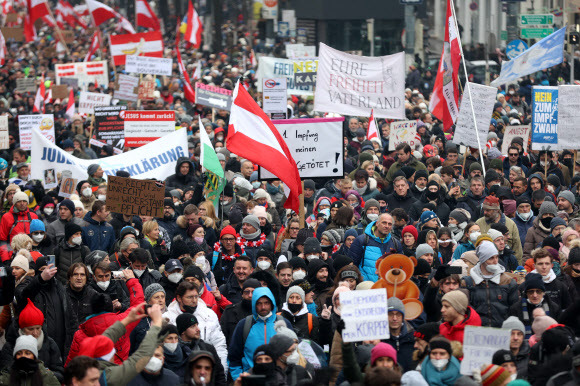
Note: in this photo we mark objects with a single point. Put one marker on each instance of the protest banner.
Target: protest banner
(89, 100)
(300, 51)
(365, 314)
(143, 127)
(403, 131)
(148, 65)
(84, 72)
(568, 117)
(213, 96)
(274, 99)
(146, 90)
(109, 128)
(134, 197)
(26, 85)
(355, 85)
(43, 123)
(514, 131)
(305, 72)
(4, 141)
(544, 117)
(127, 88)
(483, 101)
(59, 91)
(67, 187)
(479, 345)
(155, 160)
(277, 68)
(315, 144)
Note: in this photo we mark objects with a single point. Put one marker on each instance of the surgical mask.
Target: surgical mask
(543, 163)
(87, 192)
(101, 197)
(525, 216)
(77, 240)
(492, 268)
(175, 277)
(199, 240)
(439, 364)
(38, 238)
(293, 358)
(298, 275)
(373, 216)
(264, 265)
(70, 151)
(312, 257)
(138, 272)
(200, 261)
(513, 377)
(104, 284)
(48, 211)
(256, 184)
(171, 347)
(154, 365)
(473, 236)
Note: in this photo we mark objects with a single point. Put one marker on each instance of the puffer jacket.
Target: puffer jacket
(96, 324)
(395, 201)
(365, 254)
(7, 227)
(66, 255)
(536, 234)
(455, 332)
(178, 180)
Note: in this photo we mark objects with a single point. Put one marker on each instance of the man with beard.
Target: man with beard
(320, 279)
(423, 335)
(419, 183)
(238, 311)
(404, 158)
(567, 203)
(252, 237)
(169, 216)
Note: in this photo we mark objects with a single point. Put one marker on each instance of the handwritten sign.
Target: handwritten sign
(568, 117)
(483, 101)
(479, 345)
(134, 197)
(147, 90)
(127, 88)
(4, 140)
(544, 117)
(365, 314)
(26, 85)
(89, 100)
(148, 65)
(41, 122)
(514, 131)
(403, 132)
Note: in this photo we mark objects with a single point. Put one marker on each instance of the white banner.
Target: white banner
(277, 68)
(28, 123)
(353, 85)
(89, 100)
(155, 160)
(148, 65)
(85, 72)
(483, 101)
(403, 131)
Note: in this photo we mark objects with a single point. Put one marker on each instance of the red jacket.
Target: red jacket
(210, 301)
(23, 225)
(456, 332)
(98, 323)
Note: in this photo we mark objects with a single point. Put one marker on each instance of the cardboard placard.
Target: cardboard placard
(514, 131)
(127, 88)
(12, 17)
(134, 197)
(4, 142)
(146, 90)
(365, 314)
(26, 85)
(68, 36)
(16, 33)
(60, 91)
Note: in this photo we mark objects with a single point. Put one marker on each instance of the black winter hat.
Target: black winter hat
(420, 173)
(70, 228)
(297, 262)
(314, 266)
(309, 184)
(555, 340)
(534, 281)
(340, 261)
(194, 248)
(442, 343)
(574, 256)
(502, 356)
(523, 200)
(552, 242)
(194, 271)
(229, 190)
(312, 245)
(184, 321)
(179, 248)
(427, 331)
(302, 235)
(168, 202)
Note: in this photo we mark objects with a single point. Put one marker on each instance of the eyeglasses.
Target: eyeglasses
(513, 154)
(294, 229)
(228, 240)
(535, 292)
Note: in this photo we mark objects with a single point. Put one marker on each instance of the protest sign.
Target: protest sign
(315, 144)
(146, 90)
(143, 127)
(213, 96)
(109, 127)
(403, 131)
(148, 65)
(4, 141)
(26, 85)
(84, 72)
(44, 123)
(544, 117)
(71, 82)
(483, 101)
(305, 72)
(155, 160)
(300, 51)
(568, 117)
(514, 131)
(133, 197)
(479, 345)
(274, 99)
(365, 314)
(277, 68)
(67, 187)
(127, 88)
(16, 33)
(50, 180)
(354, 85)
(59, 91)
(89, 100)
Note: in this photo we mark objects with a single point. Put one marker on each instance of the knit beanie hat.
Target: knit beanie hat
(26, 342)
(493, 375)
(312, 245)
(37, 225)
(534, 281)
(574, 256)
(547, 207)
(412, 230)
(556, 221)
(252, 220)
(70, 228)
(19, 196)
(92, 169)
(349, 274)
(30, 316)
(567, 195)
(302, 235)
(151, 290)
(485, 251)
(194, 271)
(262, 350)
(441, 343)
(513, 323)
(179, 248)
(383, 350)
(281, 329)
(252, 283)
(228, 230)
(96, 346)
(423, 249)
(395, 304)
(427, 331)
(195, 248)
(279, 344)
(458, 300)
(427, 216)
(340, 261)
(333, 236)
(184, 321)
(372, 203)
(494, 234)
(297, 262)
(295, 290)
(20, 261)
(68, 204)
(541, 324)
(502, 356)
(491, 202)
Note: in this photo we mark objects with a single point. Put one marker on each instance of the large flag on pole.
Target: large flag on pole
(444, 102)
(39, 100)
(187, 88)
(37, 9)
(145, 15)
(95, 44)
(193, 27)
(210, 163)
(3, 50)
(70, 107)
(372, 129)
(252, 135)
(102, 13)
(546, 53)
(141, 44)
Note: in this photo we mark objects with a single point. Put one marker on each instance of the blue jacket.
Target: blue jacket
(461, 249)
(507, 166)
(240, 356)
(98, 235)
(365, 258)
(523, 227)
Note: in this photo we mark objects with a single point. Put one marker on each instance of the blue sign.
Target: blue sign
(544, 117)
(514, 48)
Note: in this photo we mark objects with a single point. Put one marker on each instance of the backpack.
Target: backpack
(249, 322)
(16, 221)
(397, 243)
(309, 321)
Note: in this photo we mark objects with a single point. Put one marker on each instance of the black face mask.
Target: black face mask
(576, 270)
(25, 365)
(247, 304)
(294, 308)
(264, 368)
(432, 195)
(189, 309)
(326, 248)
(546, 222)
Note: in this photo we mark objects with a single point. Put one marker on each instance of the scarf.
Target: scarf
(217, 247)
(244, 243)
(526, 315)
(550, 277)
(478, 276)
(152, 242)
(441, 378)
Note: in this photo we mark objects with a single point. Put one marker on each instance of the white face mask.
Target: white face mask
(473, 236)
(293, 358)
(87, 192)
(513, 377)
(102, 197)
(138, 272)
(525, 216)
(38, 238)
(200, 261)
(298, 275)
(439, 364)
(48, 211)
(103, 284)
(543, 163)
(77, 240)
(312, 257)
(492, 268)
(171, 347)
(264, 265)
(154, 365)
(373, 216)
(175, 277)
(420, 189)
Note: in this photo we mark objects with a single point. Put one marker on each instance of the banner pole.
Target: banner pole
(467, 84)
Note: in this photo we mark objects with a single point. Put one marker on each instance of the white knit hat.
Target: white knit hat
(19, 196)
(494, 234)
(20, 261)
(485, 251)
(26, 342)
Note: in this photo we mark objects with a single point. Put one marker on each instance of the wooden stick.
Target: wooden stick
(573, 171)
(302, 212)
(59, 32)
(213, 114)
(464, 160)
(546, 167)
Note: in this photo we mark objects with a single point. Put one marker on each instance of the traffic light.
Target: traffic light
(574, 38)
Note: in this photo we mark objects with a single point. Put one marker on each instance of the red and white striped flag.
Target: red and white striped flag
(187, 88)
(144, 44)
(102, 13)
(39, 99)
(70, 107)
(193, 27)
(372, 130)
(444, 102)
(37, 9)
(95, 44)
(145, 16)
(3, 49)
(197, 72)
(69, 14)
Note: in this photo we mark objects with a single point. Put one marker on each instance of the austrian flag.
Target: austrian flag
(142, 44)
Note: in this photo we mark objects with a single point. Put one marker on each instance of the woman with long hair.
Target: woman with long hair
(286, 238)
(207, 210)
(472, 232)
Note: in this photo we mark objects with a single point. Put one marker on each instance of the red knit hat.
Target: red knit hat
(229, 230)
(96, 346)
(493, 375)
(412, 230)
(30, 316)
(383, 350)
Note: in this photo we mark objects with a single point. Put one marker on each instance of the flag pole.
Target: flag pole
(467, 84)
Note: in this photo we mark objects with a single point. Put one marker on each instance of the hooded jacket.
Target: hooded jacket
(455, 332)
(7, 232)
(65, 255)
(536, 234)
(178, 180)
